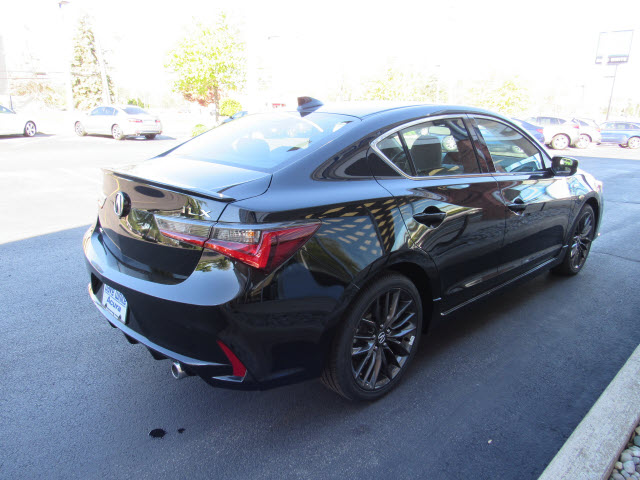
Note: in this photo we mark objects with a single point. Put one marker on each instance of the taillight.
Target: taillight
(135, 120)
(264, 248)
(157, 121)
(539, 130)
(575, 125)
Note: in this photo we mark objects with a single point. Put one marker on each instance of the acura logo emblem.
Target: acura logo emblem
(382, 337)
(121, 204)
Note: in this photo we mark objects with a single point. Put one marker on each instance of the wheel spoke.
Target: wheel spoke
(403, 332)
(372, 363)
(361, 350)
(401, 323)
(363, 363)
(376, 369)
(399, 314)
(398, 347)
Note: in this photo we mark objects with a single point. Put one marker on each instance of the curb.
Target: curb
(595, 445)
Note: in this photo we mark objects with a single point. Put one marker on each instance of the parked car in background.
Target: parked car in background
(625, 134)
(323, 241)
(559, 133)
(12, 123)
(589, 132)
(536, 131)
(235, 116)
(119, 122)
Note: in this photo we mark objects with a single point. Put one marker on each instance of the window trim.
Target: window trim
(543, 154)
(389, 133)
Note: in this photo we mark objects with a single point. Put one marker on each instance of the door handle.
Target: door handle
(430, 219)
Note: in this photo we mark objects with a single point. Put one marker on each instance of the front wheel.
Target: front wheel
(150, 136)
(634, 142)
(30, 129)
(377, 341)
(116, 132)
(584, 141)
(560, 142)
(581, 238)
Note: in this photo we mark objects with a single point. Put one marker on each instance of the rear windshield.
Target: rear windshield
(134, 110)
(264, 141)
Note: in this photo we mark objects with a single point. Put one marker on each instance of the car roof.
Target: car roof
(365, 109)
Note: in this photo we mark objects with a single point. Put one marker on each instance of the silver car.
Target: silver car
(119, 122)
(559, 133)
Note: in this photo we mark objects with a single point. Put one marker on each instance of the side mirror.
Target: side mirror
(564, 166)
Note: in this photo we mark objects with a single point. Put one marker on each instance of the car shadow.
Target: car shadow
(20, 135)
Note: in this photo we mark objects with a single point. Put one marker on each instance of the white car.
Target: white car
(119, 122)
(12, 123)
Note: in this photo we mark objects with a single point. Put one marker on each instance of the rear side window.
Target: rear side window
(134, 110)
(392, 148)
(264, 141)
(510, 150)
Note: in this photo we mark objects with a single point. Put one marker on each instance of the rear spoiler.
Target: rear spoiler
(174, 188)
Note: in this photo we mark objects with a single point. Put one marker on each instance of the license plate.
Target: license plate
(115, 302)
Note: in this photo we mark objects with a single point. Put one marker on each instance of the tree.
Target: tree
(395, 84)
(88, 71)
(509, 98)
(208, 63)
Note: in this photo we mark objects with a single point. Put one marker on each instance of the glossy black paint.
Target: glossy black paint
(183, 299)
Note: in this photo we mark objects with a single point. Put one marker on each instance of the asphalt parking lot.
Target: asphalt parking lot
(493, 393)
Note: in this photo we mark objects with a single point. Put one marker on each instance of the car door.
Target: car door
(92, 122)
(537, 205)
(450, 205)
(5, 120)
(107, 120)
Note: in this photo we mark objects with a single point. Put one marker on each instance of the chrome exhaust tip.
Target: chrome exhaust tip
(177, 371)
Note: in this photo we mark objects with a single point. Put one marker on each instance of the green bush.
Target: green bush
(229, 106)
(135, 101)
(198, 129)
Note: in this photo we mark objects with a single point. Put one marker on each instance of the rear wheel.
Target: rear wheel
(116, 131)
(377, 340)
(79, 128)
(151, 136)
(560, 142)
(30, 129)
(584, 141)
(581, 238)
(634, 142)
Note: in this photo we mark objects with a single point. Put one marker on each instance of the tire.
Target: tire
(151, 136)
(367, 361)
(560, 142)
(116, 132)
(634, 142)
(79, 129)
(584, 141)
(30, 129)
(581, 239)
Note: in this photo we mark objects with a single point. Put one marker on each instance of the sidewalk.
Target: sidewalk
(595, 445)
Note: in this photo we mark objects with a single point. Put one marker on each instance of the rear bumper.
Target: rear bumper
(137, 130)
(279, 341)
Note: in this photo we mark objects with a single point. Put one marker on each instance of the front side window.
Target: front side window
(109, 110)
(98, 111)
(440, 147)
(510, 150)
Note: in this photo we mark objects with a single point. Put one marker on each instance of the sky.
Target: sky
(313, 46)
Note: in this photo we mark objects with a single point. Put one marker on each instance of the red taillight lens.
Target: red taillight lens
(135, 120)
(539, 130)
(575, 125)
(157, 121)
(265, 249)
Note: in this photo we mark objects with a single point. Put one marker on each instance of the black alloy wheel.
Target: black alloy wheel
(580, 245)
(377, 341)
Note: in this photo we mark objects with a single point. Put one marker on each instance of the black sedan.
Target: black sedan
(322, 242)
